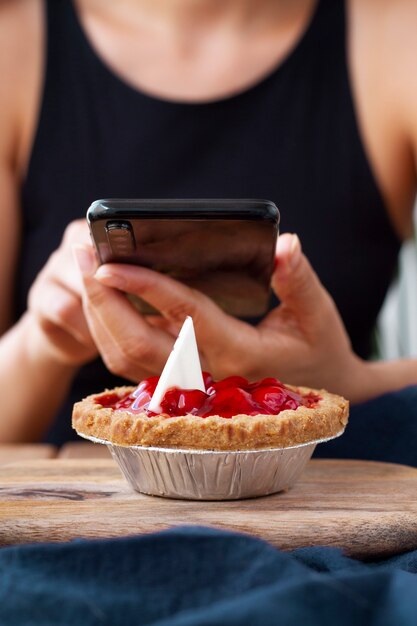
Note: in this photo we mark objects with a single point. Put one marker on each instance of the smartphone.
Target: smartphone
(223, 248)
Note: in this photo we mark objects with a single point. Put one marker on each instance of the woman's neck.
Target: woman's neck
(201, 15)
(193, 50)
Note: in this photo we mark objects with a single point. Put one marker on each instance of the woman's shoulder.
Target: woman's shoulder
(382, 51)
(384, 34)
(21, 68)
(21, 32)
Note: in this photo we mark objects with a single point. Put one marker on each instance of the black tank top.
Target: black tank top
(292, 138)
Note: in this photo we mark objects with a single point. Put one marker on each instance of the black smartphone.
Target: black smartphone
(223, 248)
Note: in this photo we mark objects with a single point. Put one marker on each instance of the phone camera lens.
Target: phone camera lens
(120, 237)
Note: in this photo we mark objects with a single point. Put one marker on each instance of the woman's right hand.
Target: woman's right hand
(58, 325)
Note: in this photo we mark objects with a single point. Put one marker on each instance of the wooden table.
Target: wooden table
(368, 509)
(83, 450)
(12, 453)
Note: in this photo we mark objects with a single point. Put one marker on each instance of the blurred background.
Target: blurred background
(396, 334)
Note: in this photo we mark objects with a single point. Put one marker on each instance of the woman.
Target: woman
(311, 104)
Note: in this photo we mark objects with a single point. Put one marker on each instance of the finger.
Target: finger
(76, 232)
(61, 265)
(63, 308)
(295, 282)
(158, 321)
(225, 343)
(175, 301)
(118, 360)
(62, 268)
(116, 324)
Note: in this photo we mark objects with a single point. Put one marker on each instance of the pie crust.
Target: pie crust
(325, 420)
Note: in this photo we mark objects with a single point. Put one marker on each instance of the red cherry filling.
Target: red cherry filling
(182, 401)
(228, 402)
(226, 383)
(107, 399)
(274, 399)
(144, 392)
(231, 396)
(112, 400)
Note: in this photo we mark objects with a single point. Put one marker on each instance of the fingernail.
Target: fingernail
(109, 278)
(84, 259)
(288, 253)
(295, 252)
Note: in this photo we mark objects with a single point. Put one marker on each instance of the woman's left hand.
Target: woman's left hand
(302, 341)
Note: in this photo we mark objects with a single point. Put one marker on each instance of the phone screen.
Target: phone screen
(228, 257)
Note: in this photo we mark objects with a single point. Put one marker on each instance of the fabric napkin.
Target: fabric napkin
(199, 576)
(383, 429)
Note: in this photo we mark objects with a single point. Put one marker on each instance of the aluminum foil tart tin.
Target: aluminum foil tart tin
(208, 474)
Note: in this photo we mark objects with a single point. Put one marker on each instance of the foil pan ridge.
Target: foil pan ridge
(210, 474)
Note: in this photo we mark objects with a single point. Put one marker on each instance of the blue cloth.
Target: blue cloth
(384, 429)
(198, 576)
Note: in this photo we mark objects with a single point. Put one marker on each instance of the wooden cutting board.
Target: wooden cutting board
(368, 509)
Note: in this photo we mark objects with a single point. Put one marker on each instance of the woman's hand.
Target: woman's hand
(58, 325)
(302, 341)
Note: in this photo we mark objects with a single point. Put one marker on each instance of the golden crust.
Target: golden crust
(241, 432)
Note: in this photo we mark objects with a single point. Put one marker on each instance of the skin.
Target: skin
(194, 50)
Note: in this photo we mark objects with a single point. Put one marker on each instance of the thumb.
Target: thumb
(295, 282)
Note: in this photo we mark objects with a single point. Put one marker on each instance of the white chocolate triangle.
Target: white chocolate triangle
(182, 369)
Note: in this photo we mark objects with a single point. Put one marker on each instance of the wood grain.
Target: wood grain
(368, 509)
(84, 450)
(10, 453)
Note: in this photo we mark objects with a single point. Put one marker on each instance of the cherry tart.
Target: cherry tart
(232, 414)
